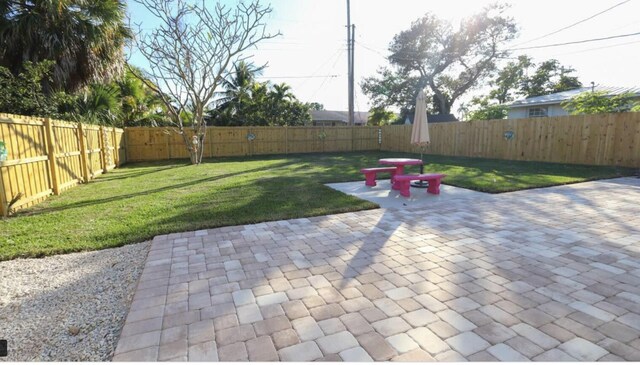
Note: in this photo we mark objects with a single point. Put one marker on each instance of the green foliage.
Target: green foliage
(315, 106)
(380, 116)
(84, 39)
(450, 62)
(484, 110)
(99, 104)
(392, 89)
(513, 81)
(248, 102)
(550, 77)
(599, 102)
(509, 80)
(24, 94)
(123, 102)
(140, 106)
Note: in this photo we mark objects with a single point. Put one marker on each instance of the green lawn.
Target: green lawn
(139, 201)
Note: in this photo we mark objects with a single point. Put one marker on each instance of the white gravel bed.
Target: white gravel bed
(68, 307)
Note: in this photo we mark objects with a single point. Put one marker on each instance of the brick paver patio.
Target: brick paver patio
(547, 274)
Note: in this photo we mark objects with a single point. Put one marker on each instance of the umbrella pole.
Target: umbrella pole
(421, 184)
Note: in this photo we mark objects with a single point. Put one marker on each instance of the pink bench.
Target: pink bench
(370, 174)
(405, 180)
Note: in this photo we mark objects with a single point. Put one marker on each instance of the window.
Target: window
(537, 112)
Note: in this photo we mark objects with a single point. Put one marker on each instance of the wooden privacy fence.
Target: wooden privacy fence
(601, 139)
(48, 156)
(148, 144)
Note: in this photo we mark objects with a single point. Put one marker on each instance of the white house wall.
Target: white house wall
(523, 112)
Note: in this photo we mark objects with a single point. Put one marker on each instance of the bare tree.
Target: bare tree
(191, 52)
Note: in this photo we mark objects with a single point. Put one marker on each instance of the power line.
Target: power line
(327, 78)
(576, 42)
(574, 24)
(371, 50)
(598, 48)
(296, 77)
(337, 53)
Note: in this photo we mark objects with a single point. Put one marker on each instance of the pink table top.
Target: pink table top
(400, 161)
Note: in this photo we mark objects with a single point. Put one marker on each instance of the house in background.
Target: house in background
(332, 118)
(549, 105)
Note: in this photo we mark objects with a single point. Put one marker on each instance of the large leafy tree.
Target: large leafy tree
(599, 102)
(431, 53)
(521, 78)
(550, 77)
(84, 38)
(510, 80)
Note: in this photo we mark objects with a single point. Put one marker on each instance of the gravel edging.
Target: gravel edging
(68, 307)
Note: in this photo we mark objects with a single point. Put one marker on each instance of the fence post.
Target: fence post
(103, 150)
(352, 136)
(125, 139)
(116, 149)
(83, 154)
(4, 208)
(286, 140)
(168, 144)
(51, 153)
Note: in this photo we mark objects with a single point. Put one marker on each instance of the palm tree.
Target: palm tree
(282, 92)
(85, 38)
(237, 94)
(99, 104)
(140, 105)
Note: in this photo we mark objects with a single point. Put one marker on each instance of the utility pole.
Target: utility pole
(352, 76)
(350, 61)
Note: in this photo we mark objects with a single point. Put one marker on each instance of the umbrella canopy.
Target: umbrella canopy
(420, 130)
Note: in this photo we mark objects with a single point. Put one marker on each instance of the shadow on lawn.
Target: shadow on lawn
(144, 193)
(123, 174)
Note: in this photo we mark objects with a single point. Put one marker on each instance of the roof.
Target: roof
(557, 98)
(339, 115)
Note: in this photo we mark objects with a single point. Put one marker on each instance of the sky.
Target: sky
(311, 53)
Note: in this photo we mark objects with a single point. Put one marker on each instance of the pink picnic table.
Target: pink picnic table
(399, 163)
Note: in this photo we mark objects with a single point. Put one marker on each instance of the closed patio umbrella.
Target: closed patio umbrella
(420, 130)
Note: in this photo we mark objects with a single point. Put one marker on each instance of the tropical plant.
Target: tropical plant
(84, 39)
(98, 104)
(247, 102)
(140, 105)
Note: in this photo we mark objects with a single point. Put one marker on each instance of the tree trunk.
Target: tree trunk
(441, 99)
(193, 152)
